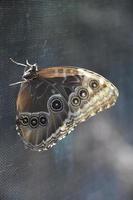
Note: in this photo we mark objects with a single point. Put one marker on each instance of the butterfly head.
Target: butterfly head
(30, 71)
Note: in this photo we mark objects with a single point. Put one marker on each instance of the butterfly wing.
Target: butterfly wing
(51, 105)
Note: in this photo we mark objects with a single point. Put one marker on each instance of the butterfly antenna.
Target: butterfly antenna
(27, 63)
(17, 63)
(12, 84)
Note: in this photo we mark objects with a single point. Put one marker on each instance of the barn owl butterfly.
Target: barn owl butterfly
(52, 101)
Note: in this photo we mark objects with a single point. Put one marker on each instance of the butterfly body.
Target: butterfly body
(52, 101)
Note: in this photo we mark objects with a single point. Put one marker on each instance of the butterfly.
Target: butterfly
(52, 101)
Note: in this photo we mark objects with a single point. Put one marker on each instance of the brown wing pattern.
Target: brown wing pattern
(50, 106)
(58, 72)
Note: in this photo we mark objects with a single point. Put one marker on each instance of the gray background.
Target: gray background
(96, 161)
